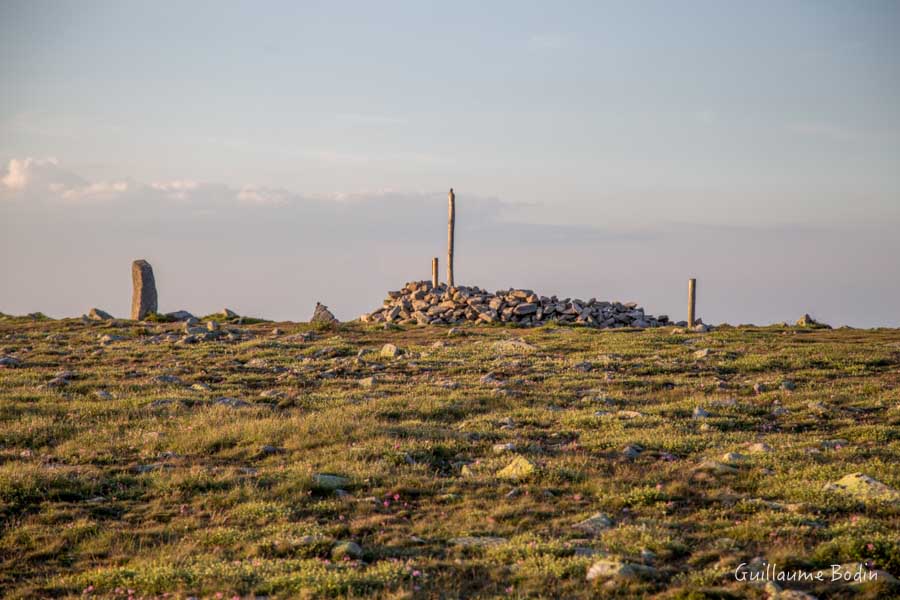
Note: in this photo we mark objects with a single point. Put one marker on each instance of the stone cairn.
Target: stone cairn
(419, 302)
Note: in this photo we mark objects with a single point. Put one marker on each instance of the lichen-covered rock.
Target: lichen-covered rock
(595, 524)
(520, 468)
(99, 315)
(864, 488)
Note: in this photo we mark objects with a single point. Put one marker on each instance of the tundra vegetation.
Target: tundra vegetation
(286, 460)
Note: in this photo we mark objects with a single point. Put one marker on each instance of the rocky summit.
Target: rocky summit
(419, 302)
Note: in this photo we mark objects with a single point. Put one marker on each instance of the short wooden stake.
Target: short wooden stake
(434, 272)
(692, 301)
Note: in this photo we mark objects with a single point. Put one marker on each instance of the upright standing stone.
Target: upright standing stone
(143, 300)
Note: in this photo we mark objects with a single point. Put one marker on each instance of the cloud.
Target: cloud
(40, 178)
(262, 196)
(177, 190)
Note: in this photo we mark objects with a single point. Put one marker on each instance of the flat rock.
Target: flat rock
(346, 549)
(520, 468)
(330, 481)
(390, 351)
(609, 568)
(477, 541)
(595, 524)
(863, 487)
(99, 315)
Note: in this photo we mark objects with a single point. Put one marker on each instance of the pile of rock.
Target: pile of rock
(421, 303)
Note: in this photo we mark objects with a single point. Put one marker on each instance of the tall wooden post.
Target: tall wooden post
(434, 272)
(450, 223)
(692, 301)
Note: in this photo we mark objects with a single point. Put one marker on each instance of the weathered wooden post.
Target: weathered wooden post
(451, 199)
(434, 272)
(692, 301)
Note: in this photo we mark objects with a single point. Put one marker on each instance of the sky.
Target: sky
(268, 155)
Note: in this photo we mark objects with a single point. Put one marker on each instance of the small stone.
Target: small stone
(270, 450)
(330, 481)
(595, 524)
(167, 380)
(455, 331)
(808, 322)
(716, 468)
(864, 488)
(345, 549)
(632, 451)
(212, 326)
(200, 387)
(759, 448)
(584, 367)
(231, 402)
(368, 381)
(103, 395)
(228, 313)
(99, 315)
(702, 353)
(700, 413)
(733, 458)
(520, 468)
(478, 542)
(390, 351)
(9, 361)
(181, 315)
(788, 385)
(759, 388)
(501, 448)
(616, 568)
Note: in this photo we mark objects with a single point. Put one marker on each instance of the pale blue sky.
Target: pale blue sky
(598, 149)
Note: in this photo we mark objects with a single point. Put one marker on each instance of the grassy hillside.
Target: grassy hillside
(497, 462)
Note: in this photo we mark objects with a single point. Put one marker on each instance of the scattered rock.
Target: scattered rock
(788, 385)
(732, 458)
(143, 299)
(99, 315)
(632, 451)
(595, 524)
(478, 542)
(583, 367)
(520, 468)
(715, 468)
(330, 481)
(228, 313)
(700, 413)
(346, 550)
(270, 450)
(810, 323)
(609, 568)
(513, 346)
(759, 448)
(368, 381)
(167, 380)
(9, 361)
(501, 448)
(759, 388)
(231, 402)
(102, 395)
(702, 353)
(864, 488)
(390, 351)
(181, 315)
